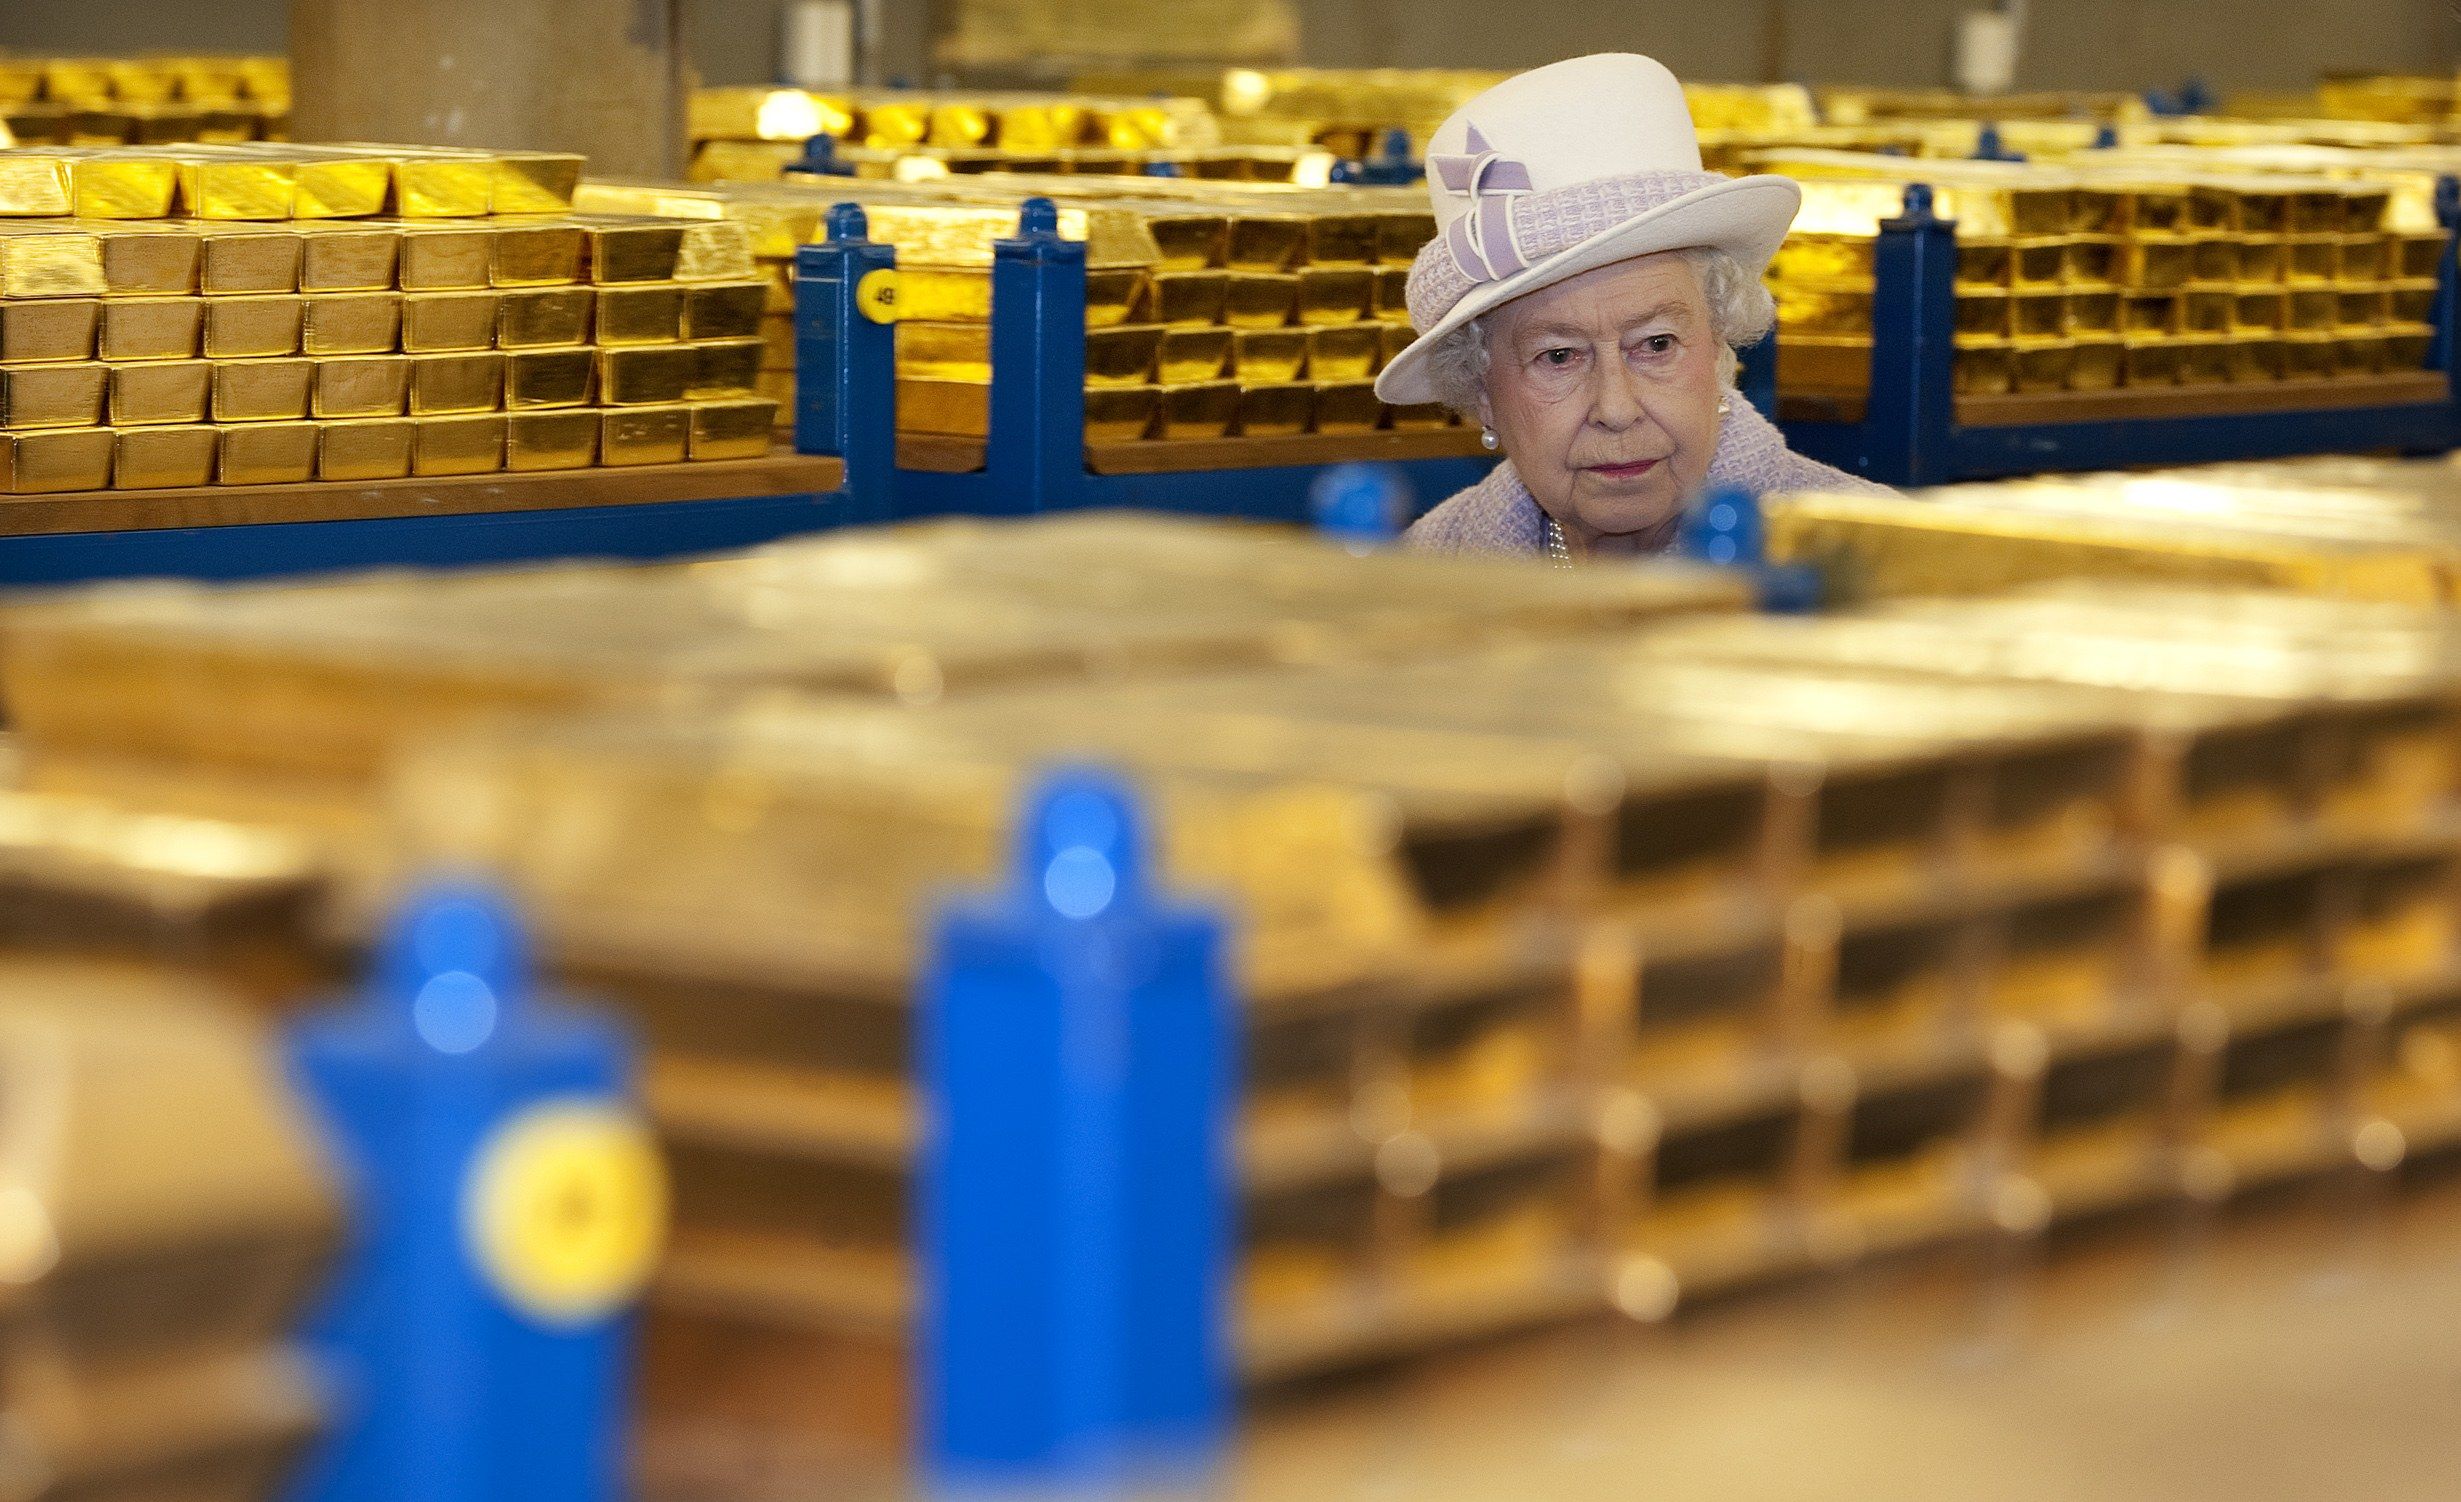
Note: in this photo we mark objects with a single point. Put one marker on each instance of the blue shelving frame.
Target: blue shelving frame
(1910, 434)
(1035, 457)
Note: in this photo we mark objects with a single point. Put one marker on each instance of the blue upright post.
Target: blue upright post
(1911, 409)
(2441, 349)
(1035, 459)
(1756, 373)
(845, 394)
(820, 159)
(1987, 147)
(508, 1204)
(1726, 527)
(1077, 1188)
(1362, 506)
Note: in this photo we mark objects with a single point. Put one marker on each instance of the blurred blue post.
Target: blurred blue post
(1076, 1200)
(820, 159)
(1362, 506)
(1987, 147)
(1726, 527)
(507, 1207)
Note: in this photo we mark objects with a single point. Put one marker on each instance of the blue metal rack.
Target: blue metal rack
(1035, 457)
(1912, 431)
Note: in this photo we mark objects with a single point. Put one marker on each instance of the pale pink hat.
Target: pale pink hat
(1562, 170)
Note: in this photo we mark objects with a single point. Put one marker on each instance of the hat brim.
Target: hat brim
(1746, 217)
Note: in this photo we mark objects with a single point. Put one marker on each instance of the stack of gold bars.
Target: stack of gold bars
(2075, 275)
(1212, 309)
(97, 101)
(249, 314)
(1598, 946)
(2404, 99)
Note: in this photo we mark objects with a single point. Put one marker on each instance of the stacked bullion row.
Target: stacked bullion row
(1212, 309)
(95, 101)
(253, 316)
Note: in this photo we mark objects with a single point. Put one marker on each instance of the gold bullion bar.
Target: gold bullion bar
(2312, 308)
(723, 367)
(36, 183)
(241, 328)
(441, 384)
(532, 182)
(779, 386)
(1345, 353)
(2204, 359)
(262, 390)
(50, 262)
(647, 314)
(778, 289)
(645, 435)
(356, 258)
(778, 341)
(2254, 357)
(732, 429)
(441, 184)
(2213, 258)
(2263, 258)
(350, 323)
(715, 250)
(464, 445)
(248, 261)
(368, 448)
(2149, 360)
(959, 350)
(1334, 294)
(2097, 362)
(634, 250)
(1200, 409)
(1260, 299)
(361, 386)
(2409, 301)
(50, 460)
(2310, 258)
(548, 377)
(1264, 241)
(647, 374)
(533, 318)
(1183, 299)
(2152, 313)
(2308, 354)
(1349, 406)
(339, 184)
(268, 453)
(1189, 356)
(1123, 356)
(149, 262)
(1397, 337)
(1191, 239)
(2042, 364)
(1342, 240)
(1401, 234)
(126, 185)
(1275, 410)
(2091, 261)
(1120, 414)
(160, 391)
(724, 310)
(1269, 356)
(1420, 415)
(156, 458)
(213, 185)
(536, 255)
(958, 408)
(551, 440)
(2362, 308)
(49, 328)
(2264, 307)
(1393, 293)
(438, 322)
(51, 396)
(445, 258)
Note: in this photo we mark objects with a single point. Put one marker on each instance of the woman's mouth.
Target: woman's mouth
(1631, 471)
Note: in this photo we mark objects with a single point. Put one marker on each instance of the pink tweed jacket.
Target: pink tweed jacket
(1498, 514)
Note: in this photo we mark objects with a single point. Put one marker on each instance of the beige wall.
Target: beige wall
(2070, 43)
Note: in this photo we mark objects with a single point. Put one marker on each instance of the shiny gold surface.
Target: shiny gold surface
(268, 453)
(531, 255)
(159, 391)
(550, 440)
(349, 259)
(361, 386)
(441, 258)
(365, 449)
(649, 314)
(48, 329)
(653, 374)
(51, 396)
(150, 262)
(160, 457)
(455, 383)
(350, 323)
(249, 327)
(536, 318)
(439, 322)
(234, 260)
(262, 390)
(645, 435)
(55, 459)
(732, 429)
(49, 262)
(723, 367)
(548, 378)
(468, 445)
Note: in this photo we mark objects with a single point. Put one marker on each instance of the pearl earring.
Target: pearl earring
(1486, 438)
(1726, 404)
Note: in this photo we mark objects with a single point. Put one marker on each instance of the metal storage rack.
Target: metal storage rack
(1911, 429)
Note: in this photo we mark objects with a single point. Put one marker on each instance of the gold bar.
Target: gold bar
(1393, 294)
(2097, 363)
(238, 187)
(724, 310)
(443, 185)
(1349, 353)
(959, 350)
(2090, 313)
(640, 315)
(529, 319)
(249, 261)
(1120, 414)
(1397, 337)
(1201, 409)
(645, 435)
(2311, 258)
(1192, 355)
(471, 445)
(2213, 258)
(2152, 313)
(1269, 356)
(2254, 357)
(536, 255)
(1336, 294)
(2410, 301)
(36, 182)
(1401, 234)
(150, 263)
(2261, 307)
(1189, 298)
(1191, 239)
(361, 386)
(639, 250)
(1349, 406)
(156, 458)
(51, 396)
(1421, 415)
(50, 263)
(1275, 410)
(2042, 364)
(1115, 357)
(239, 328)
(160, 391)
(532, 182)
(778, 341)
(457, 383)
(349, 260)
(715, 250)
(2090, 261)
(126, 185)
(722, 367)
(551, 440)
(262, 390)
(548, 377)
(2313, 308)
(1260, 299)
(2147, 361)
(438, 258)
(1264, 241)
(268, 453)
(52, 328)
(732, 429)
(2263, 258)
(433, 322)
(2362, 308)
(647, 374)
(350, 323)
(375, 448)
(958, 408)
(340, 186)
(52, 460)
(2204, 359)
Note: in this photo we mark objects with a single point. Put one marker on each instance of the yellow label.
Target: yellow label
(566, 1209)
(876, 295)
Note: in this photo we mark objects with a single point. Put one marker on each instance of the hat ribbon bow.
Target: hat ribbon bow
(1481, 241)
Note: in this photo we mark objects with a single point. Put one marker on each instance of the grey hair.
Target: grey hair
(1741, 311)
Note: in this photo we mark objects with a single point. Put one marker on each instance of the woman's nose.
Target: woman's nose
(1615, 401)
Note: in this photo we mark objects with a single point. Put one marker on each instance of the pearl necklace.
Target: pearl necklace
(1558, 554)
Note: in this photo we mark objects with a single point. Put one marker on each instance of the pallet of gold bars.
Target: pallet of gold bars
(96, 101)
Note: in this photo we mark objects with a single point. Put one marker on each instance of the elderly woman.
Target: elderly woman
(1583, 300)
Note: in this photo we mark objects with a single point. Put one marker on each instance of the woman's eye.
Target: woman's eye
(1558, 358)
(1659, 344)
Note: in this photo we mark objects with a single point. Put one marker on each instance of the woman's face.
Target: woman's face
(1604, 392)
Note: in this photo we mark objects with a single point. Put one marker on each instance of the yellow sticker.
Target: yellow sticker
(876, 295)
(566, 1209)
